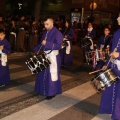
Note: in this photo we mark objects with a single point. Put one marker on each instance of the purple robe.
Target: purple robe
(102, 41)
(110, 100)
(44, 84)
(67, 59)
(4, 70)
(91, 34)
(86, 48)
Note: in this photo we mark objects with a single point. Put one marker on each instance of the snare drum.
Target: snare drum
(98, 54)
(99, 85)
(102, 54)
(89, 56)
(104, 79)
(38, 63)
(64, 43)
(85, 42)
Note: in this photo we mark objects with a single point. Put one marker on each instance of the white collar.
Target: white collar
(90, 29)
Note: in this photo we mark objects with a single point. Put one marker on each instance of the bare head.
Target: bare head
(48, 23)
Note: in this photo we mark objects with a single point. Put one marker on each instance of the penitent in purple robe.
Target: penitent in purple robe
(4, 70)
(67, 59)
(110, 100)
(102, 43)
(44, 83)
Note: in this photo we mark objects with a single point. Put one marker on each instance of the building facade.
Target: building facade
(105, 11)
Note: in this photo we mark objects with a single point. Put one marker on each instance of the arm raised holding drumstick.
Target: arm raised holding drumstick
(113, 55)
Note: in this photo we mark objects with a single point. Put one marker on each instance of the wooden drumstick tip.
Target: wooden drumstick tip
(94, 72)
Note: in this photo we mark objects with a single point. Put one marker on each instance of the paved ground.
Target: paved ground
(79, 100)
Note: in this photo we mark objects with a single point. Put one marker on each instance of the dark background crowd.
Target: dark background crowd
(24, 32)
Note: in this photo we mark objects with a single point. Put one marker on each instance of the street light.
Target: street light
(20, 6)
(93, 6)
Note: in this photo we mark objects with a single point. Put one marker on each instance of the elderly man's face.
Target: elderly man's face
(118, 19)
(48, 24)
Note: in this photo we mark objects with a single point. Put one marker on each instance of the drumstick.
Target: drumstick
(94, 71)
(41, 46)
(110, 58)
(39, 49)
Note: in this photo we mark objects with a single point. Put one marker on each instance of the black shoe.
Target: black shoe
(49, 97)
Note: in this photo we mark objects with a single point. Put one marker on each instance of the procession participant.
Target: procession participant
(66, 52)
(21, 35)
(48, 82)
(2, 24)
(75, 29)
(33, 39)
(110, 99)
(103, 44)
(12, 36)
(4, 50)
(105, 39)
(90, 34)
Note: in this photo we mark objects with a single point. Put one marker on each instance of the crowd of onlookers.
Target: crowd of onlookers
(24, 32)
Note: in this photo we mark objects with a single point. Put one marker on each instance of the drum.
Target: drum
(99, 85)
(64, 43)
(97, 54)
(104, 79)
(38, 63)
(102, 54)
(85, 42)
(89, 56)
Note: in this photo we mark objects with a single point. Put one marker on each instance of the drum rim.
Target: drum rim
(95, 51)
(105, 72)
